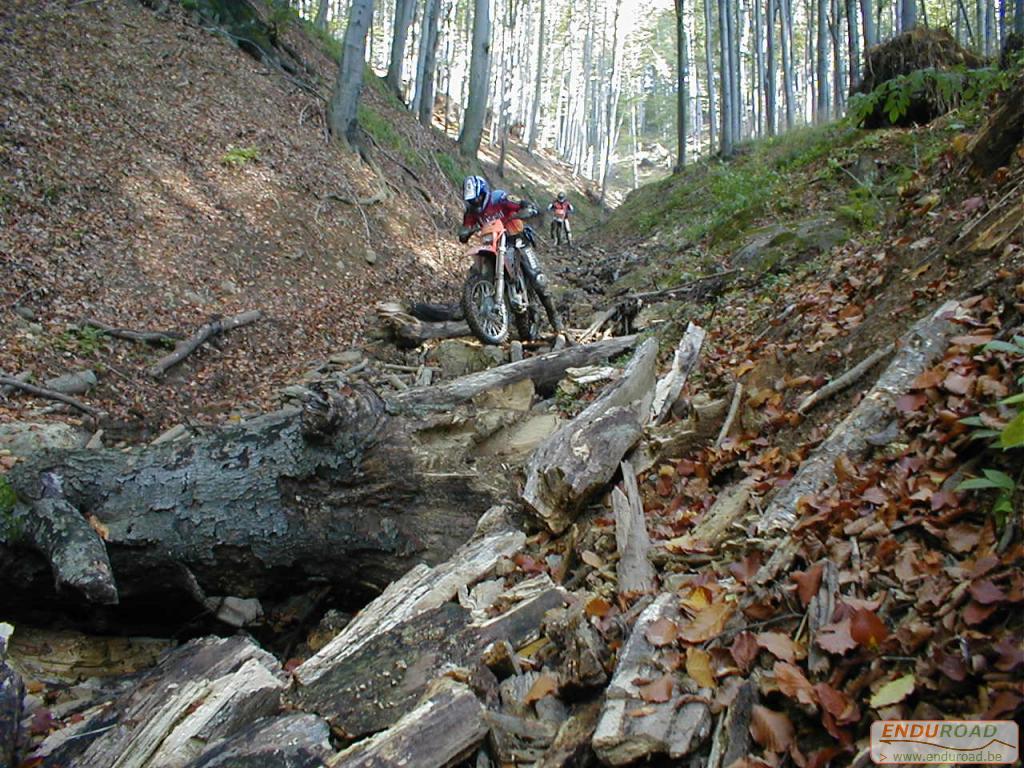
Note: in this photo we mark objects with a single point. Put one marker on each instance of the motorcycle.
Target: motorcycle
(493, 295)
(560, 230)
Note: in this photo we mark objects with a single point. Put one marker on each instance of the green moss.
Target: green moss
(236, 157)
(7, 496)
(382, 131)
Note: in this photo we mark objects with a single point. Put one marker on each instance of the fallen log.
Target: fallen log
(544, 370)
(445, 727)
(582, 456)
(630, 728)
(634, 570)
(671, 384)
(198, 694)
(919, 348)
(186, 347)
(295, 740)
(572, 742)
(340, 492)
(411, 331)
(993, 145)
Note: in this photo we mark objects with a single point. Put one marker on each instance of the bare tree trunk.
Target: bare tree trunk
(344, 104)
(636, 159)
(709, 61)
(822, 113)
(759, 89)
(682, 85)
(404, 12)
(908, 16)
(854, 40)
(1018, 17)
(838, 77)
(479, 69)
(321, 15)
(786, 6)
(868, 20)
(612, 105)
(726, 73)
(736, 90)
(771, 86)
(423, 102)
(537, 84)
(508, 68)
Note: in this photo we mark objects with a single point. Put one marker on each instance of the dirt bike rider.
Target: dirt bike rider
(484, 204)
(561, 208)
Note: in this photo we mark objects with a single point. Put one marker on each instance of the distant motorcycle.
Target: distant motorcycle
(560, 229)
(493, 295)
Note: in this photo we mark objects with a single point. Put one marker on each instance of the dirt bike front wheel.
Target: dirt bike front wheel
(486, 314)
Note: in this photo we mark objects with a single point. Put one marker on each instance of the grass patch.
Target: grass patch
(236, 157)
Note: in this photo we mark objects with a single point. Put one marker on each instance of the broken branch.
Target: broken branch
(185, 348)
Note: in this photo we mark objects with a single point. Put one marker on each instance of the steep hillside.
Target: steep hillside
(153, 175)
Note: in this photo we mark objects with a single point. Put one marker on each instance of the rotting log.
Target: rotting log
(372, 688)
(544, 370)
(993, 145)
(200, 693)
(630, 728)
(411, 331)
(634, 570)
(919, 348)
(583, 455)
(295, 740)
(671, 384)
(572, 741)
(446, 725)
(340, 492)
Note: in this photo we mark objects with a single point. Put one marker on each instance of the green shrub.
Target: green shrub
(236, 157)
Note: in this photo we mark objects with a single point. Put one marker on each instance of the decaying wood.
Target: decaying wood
(49, 394)
(62, 655)
(851, 376)
(147, 337)
(594, 329)
(993, 145)
(186, 347)
(371, 689)
(919, 348)
(296, 740)
(515, 739)
(671, 384)
(339, 491)
(729, 508)
(443, 728)
(544, 370)
(731, 740)
(582, 456)
(1005, 219)
(819, 613)
(677, 438)
(631, 729)
(584, 653)
(422, 589)
(684, 288)
(734, 409)
(411, 331)
(203, 692)
(572, 741)
(634, 570)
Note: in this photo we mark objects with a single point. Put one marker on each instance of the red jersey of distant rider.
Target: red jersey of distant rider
(501, 205)
(561, 208)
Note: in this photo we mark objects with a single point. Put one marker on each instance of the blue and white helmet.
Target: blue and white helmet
(475, 191)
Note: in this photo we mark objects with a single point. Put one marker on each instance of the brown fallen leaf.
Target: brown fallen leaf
(698, 666)
(835, 638)
(772, 730)
(986, 592)
(657, 691)
(837, 703)
(661, 632)
(745, 649)
(707, 623)
(780, 645)
(793, 683)
(808, 582)
(597, 606)
(867, 629)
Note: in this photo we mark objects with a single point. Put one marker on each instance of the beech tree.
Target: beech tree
(344, 104)
(479, 69)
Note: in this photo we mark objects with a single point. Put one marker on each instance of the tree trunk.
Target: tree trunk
(479, 75)
(725, 68)
(908, 15)
(423, 103)
(537, 83)
(759, 86)
(854, 40)
(770, 86)
(344, 105)
(682, 89)
(1018, 17)
(709, 61)
(320, 22)
(404, 12)
(786, 6)
(822, 102)
(868, 20)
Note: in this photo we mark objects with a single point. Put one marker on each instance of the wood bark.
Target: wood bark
(634, 570)
(479, 70)
(682, 85)
(295, 740)
(582, 456)
(423, 102)
(631, 729)
(994, 144)
(727, 138)
(444, 728)
(920, 347)
(277, 503)
(344, 104)
(671, 384)
(206, 332)
(537, 83)
(404, 12)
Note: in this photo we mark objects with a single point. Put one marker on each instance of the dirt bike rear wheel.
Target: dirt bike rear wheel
(486, 314)
(528, 322)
